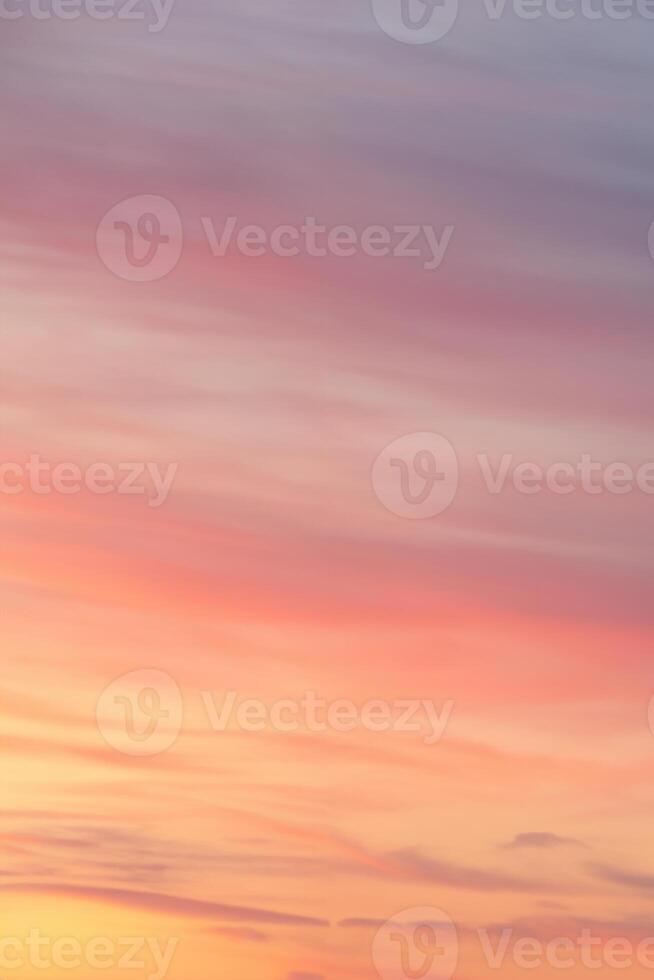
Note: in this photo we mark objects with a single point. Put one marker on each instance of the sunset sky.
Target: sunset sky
(273, 567)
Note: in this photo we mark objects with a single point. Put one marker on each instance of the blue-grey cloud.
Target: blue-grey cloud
(542, 839)
(637, 880)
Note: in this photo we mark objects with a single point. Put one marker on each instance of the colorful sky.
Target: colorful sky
(272, 568)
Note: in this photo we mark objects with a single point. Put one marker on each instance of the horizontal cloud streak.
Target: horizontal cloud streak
(163, 904)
